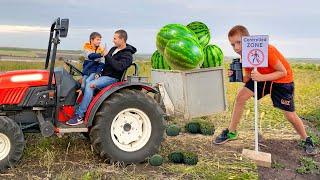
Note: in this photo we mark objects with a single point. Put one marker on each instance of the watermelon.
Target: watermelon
(184, 54)
(190, 158)
(176, 157)
(193, 127)
(172, 31)
(213, 56)
(156, 160)
(206, 128)
(173, 130)
(158, 62)
(202, 32)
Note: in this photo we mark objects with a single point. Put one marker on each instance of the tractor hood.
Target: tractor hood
(24, 78)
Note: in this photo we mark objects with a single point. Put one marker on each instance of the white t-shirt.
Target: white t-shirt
(115, 51)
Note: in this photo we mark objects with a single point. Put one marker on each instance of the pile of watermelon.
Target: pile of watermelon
(182, 47)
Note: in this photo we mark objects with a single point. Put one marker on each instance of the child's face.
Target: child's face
(96, 41)
(235, 42)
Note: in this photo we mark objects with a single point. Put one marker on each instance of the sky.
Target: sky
(292, 25)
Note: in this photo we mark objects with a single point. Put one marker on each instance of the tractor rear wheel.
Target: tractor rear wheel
(128, 127)
(11, 143)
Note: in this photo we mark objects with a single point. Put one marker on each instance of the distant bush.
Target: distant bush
(315, 67)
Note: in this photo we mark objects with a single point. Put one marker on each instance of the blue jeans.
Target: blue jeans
(100, 83)
(86, 80)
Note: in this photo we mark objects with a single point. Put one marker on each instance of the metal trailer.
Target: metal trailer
(193, 93)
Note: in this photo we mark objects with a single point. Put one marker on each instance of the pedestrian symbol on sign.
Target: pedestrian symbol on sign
(255, 57)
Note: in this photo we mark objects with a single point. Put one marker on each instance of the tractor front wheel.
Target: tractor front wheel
(128, 127)
(11, 143)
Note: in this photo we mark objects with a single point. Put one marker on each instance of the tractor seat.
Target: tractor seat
(124, 75)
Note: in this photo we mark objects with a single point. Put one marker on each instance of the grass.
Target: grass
(71, 156)
(11, 65)
(209, 169)
(21, 65)
(17, 53)
(315, 67)
(314, 136)
(91, 175)
(32, 53)
(277, 165)
(308, 165)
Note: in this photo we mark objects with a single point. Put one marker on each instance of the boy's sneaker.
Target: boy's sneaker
(309, 147)
(75, 120)
(226, 136)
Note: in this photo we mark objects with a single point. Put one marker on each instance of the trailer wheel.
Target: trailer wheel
(128, 127)
(11, 143)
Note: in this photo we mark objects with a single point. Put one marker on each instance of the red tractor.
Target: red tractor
(123, 122)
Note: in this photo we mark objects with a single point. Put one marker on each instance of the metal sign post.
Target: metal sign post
(254, 55)
(256, 115)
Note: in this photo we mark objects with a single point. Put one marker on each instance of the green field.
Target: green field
(14, 51)
(71, 156)
(18, 53)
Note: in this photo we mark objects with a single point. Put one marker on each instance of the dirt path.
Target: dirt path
(285, 157)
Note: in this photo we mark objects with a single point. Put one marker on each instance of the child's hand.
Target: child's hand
(105, 53)
(92, 86)
(256, 76)
(230, 73)
(97, 76)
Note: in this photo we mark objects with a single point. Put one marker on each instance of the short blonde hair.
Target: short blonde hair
(238, 29)
(94, 35)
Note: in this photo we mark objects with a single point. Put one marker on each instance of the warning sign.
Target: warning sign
(255, 51)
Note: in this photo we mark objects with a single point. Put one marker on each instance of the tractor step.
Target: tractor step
(63, 128)
(72, 130)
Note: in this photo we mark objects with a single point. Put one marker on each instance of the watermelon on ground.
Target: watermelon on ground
(206, 128)
(190, 158)
(158, 62)
(176, 157)
(202, 32)
(173, 130)
(172, 31)
(156, 160)
(193, 127)
(184, 54)
(213, 56)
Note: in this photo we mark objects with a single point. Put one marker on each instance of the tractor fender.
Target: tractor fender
(109, 90)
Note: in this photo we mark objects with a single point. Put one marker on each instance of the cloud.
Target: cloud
(20, 29)
(290, 20)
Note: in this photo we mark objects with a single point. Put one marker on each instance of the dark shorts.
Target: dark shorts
(282, 94)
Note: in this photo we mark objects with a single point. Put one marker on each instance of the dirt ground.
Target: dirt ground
(71, 158)
(287, 153)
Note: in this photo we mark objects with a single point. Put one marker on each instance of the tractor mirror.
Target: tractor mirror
(64, 26)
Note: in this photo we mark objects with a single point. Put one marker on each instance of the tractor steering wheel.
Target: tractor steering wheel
(73, 69)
